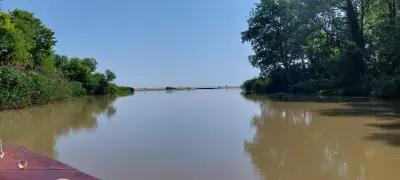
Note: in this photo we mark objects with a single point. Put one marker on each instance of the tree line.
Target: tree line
(328, 47)
(32, 73)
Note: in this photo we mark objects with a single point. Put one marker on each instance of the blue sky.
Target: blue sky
(152, 43)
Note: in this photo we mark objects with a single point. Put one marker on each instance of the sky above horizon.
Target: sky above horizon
(152, 43)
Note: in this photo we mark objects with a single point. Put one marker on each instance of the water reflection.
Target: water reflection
(38, 128)
(388, 115)
(295, 115)
(306, 140)
(200, 134)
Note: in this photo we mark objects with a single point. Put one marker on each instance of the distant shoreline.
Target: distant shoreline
(170, 88)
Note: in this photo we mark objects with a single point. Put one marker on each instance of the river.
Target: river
(213, 135)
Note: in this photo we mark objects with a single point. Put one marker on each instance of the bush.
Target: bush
(77, 89)
(124, 91)
(14, 88)
(331, 87)
(325, 87)
(352, 67)
(256, 85)
(110, 89)
(388, 88)
(356, 90)
(19, 88)
(306, 87)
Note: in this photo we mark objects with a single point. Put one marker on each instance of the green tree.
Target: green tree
(350, 43)
(38, 36)
(14, 48)
(31, 73)
(76, 70)
(110, 76)
(274, 33)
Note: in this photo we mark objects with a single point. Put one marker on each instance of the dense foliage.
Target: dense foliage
(332, 47)
(84, 72)
(125, 91)
(31, 73)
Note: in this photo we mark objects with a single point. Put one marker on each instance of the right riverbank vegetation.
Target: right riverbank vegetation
(31, 73)
(327, 47)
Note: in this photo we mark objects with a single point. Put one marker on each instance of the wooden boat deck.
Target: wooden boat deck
(39, 167)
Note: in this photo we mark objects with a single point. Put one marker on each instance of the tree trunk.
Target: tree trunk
(353, 22)
(392, 11)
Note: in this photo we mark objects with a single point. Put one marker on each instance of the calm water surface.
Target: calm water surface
(212, 134)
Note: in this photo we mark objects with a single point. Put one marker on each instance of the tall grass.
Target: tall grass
(22, 88)
(124, 91)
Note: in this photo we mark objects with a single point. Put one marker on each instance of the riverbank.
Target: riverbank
(25, 88)
(328, 56)
(307, 98)
(125, 91)
(31, 73)
(170, 88)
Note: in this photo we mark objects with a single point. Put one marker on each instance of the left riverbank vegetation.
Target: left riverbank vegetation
(32, 73)
(327, 47)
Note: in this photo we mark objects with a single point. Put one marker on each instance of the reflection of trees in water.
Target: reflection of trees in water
(388, 115)
(295, 116)
(38, 127)
(297, 141)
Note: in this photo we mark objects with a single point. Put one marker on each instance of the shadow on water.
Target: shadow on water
(284, 97)
(387, 113)
(308, 140)
(376, 109)
(38, 128)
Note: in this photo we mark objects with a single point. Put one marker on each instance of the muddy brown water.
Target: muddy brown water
(212, 134)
